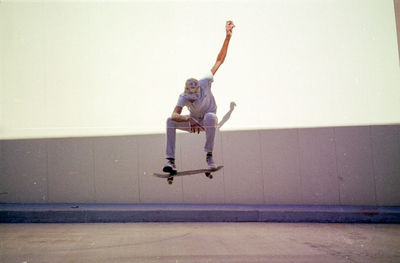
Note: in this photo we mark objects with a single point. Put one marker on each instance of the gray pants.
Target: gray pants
(209, 122)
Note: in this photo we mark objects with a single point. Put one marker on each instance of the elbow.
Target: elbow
(173, 116)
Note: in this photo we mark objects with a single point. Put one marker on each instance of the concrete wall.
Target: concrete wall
(311, 166)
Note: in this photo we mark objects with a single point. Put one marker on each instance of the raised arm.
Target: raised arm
(222, 54)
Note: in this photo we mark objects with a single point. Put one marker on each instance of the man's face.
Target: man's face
(192, 90)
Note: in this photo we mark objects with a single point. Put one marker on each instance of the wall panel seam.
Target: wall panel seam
(262, 164)
(94, 169)
(336, 164)
(137, 169)
(223, 162)
(181, 179)
(47, 173)
(299, 166)
(373, 162)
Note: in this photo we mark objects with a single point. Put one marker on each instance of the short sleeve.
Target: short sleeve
(181, 101)
(208, 76)
(207, 80)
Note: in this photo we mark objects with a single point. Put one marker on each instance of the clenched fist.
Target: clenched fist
(229, 27)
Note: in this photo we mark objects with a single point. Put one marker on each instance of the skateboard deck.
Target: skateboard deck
(170, 176)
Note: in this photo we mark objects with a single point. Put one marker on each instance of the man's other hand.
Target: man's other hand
(195, 126)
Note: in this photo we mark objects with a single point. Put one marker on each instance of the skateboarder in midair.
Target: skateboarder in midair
(199, 100)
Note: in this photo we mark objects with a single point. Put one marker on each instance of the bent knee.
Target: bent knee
(210, 117)
(170, 122)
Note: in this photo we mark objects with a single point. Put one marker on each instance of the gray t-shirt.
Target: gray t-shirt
(206, 102)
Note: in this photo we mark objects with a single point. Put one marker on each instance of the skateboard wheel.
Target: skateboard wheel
(209, 175)
(170, 180)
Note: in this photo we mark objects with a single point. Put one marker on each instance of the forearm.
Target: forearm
(179, 118)
(224, 49)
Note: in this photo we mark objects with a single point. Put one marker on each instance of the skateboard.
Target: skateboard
(170, 176)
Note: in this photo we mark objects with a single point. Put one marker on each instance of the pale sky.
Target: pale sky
(104, 68)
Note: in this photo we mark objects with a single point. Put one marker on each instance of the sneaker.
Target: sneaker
(211, 164)
(169, 167)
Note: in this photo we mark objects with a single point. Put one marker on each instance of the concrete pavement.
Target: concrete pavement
(199, 242)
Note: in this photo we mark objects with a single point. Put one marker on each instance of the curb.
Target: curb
(116, 213)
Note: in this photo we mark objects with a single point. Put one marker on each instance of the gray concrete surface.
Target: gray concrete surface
(199, 242)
